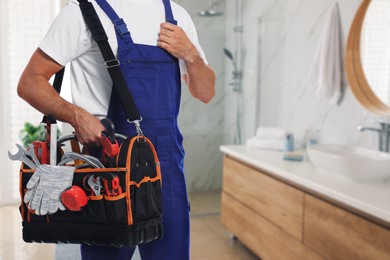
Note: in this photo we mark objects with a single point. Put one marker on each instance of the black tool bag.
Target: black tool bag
(124, 220)
(127, 219)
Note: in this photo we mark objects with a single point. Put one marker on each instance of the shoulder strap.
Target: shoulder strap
(111, 62)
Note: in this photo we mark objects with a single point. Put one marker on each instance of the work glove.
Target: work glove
(45, 187)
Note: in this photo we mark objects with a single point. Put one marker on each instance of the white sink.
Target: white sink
(355, 163)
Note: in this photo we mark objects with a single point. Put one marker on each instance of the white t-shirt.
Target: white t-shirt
(69, 40)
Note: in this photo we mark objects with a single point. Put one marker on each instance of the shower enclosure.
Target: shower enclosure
(230, 117)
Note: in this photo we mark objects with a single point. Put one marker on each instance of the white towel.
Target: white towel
(326, 70)
(270, 133)
(265, 144)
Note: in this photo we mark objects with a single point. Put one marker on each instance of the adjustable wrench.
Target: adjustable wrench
(20, 155)
(95, 185)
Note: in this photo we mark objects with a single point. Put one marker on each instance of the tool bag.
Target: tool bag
(126, 218)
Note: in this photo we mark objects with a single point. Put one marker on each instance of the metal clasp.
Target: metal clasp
(137, 125)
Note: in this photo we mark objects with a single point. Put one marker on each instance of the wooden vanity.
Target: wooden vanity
(279, 218)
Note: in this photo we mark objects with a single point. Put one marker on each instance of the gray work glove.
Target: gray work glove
(45, 187)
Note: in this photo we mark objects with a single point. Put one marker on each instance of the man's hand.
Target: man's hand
(200, 78)
(87, 129)
(173, 39)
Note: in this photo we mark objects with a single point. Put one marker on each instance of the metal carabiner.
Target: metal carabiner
(137, 125)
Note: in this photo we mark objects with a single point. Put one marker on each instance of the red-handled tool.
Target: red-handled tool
(112, 186)
(109, 144)
(40, 150)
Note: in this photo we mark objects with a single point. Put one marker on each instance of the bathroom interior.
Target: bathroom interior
(290, 160)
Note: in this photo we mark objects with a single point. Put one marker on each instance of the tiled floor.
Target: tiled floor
(209, 239)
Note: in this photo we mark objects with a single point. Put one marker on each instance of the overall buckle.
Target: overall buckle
(121, 27)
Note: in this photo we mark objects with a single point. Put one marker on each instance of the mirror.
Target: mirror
(368, 56)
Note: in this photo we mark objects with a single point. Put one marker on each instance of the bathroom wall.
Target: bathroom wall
(202, 125)
(289, 33)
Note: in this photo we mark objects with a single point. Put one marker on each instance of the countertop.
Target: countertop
(370, 200)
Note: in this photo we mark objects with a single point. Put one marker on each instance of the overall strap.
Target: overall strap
(168, 12)
(112, 63)
(119, 25)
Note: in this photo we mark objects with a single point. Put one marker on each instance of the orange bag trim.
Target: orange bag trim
(99, 197)
(121, 196)
(146, 179)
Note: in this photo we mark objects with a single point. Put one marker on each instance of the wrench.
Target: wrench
(71, 156)
(21, 157)
(95, 185)
(30, 152)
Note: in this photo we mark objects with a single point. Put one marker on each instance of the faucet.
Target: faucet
(384, 135)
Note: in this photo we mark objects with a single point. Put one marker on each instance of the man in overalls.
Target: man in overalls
(160, 46)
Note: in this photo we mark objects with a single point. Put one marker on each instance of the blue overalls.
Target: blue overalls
(153, 77)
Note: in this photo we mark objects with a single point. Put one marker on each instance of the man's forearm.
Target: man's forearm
(34, 87)
(200, 79)
(36, 90)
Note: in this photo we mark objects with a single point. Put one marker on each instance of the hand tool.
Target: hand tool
(120, 136)
(72, 156)
(93, 184)
(74, 198)
(20, 155)
(109, 144)
(65, 138)
(83, 165)
(31, 152)
(75, 148)
(112, 185)
(40, 150)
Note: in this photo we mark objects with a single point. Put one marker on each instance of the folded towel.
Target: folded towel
(271, 133)
(265, 144)
(326, 71)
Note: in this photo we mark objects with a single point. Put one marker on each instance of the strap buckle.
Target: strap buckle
(112, 63)
(121, 28)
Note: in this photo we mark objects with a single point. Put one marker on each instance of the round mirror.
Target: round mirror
(368, 56)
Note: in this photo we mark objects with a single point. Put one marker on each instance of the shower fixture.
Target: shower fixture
(210, 12)
(235, 57)
(237, 74)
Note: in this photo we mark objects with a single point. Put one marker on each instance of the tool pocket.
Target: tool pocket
(146, 200)
(116, 209)
(95, 211)
(145, 181)
(67, 217)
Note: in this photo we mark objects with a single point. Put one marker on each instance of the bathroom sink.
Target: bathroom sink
(355, 163)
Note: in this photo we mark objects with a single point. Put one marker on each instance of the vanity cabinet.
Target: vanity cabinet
(277, 220)
(338, 234)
